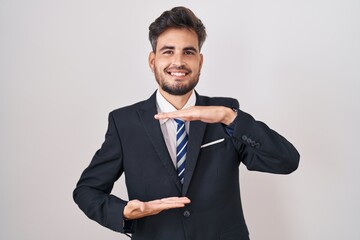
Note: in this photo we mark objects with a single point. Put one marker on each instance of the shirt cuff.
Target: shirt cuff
(231, 127)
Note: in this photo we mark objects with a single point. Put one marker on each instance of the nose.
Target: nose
(178, 59)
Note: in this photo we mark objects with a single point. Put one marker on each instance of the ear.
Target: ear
(201, 60)
(152, 61)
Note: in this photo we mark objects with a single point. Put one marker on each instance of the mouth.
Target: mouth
(178, 72)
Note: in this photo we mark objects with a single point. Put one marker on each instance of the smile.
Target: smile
(178, 74)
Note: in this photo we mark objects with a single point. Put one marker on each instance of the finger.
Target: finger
(167, 205)
(186, 115)
(176, 199)
(170, 200)
(167, 115)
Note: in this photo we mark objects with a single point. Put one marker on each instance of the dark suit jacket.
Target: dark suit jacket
(134, 145)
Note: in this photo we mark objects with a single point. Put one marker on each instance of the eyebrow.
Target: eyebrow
(190, 49)
(166, 48)
(173, 48)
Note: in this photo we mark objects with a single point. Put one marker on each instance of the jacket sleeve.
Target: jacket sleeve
(92, 193)
(261, 148)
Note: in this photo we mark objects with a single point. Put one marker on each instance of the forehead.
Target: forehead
(179, 38)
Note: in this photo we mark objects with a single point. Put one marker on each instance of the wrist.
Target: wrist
(229, 116)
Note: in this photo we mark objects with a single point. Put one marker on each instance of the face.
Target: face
(177, 61)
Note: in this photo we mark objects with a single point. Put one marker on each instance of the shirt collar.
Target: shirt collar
(164, 106)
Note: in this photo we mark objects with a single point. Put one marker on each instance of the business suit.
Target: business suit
(134, 145)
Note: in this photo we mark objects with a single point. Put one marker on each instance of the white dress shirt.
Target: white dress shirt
(168, 126)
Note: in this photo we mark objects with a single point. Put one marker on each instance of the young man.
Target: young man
(180, 152)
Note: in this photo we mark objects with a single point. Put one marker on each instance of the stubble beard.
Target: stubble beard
(176, 89)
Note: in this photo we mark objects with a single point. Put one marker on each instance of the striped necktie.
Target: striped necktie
(181, 148)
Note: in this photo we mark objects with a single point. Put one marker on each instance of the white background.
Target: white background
(64, 65)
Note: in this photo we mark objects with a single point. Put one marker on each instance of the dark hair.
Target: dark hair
(178, 17)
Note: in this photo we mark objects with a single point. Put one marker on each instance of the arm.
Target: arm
(259, 147)
(92, 193)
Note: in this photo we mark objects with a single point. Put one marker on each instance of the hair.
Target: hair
(178, 17)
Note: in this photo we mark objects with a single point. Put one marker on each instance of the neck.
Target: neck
(177, 101)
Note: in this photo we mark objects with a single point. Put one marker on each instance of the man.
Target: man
(179, 151)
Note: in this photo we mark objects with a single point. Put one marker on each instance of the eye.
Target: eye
(168, 52)
(189, 53)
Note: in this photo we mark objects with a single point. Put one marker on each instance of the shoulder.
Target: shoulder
(145, 105)
(127, 109)
(217, 101)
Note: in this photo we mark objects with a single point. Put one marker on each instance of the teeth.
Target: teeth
(178, 74)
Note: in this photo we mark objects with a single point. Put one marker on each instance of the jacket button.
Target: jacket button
(186, 213)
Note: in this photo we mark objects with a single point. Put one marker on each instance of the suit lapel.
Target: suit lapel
(196, 134)
(153, 130)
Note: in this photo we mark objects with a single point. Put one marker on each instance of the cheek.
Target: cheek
(160, 65)
(195, 65)
(196, 68)
(161, 60)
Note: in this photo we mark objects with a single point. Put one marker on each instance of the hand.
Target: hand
(208, 114)
(137, 209)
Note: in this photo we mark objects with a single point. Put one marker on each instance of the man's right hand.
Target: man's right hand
(137, 209)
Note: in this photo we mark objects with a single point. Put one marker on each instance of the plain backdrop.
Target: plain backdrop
(64, 65)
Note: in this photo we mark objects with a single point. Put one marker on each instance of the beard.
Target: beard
(177, 88)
